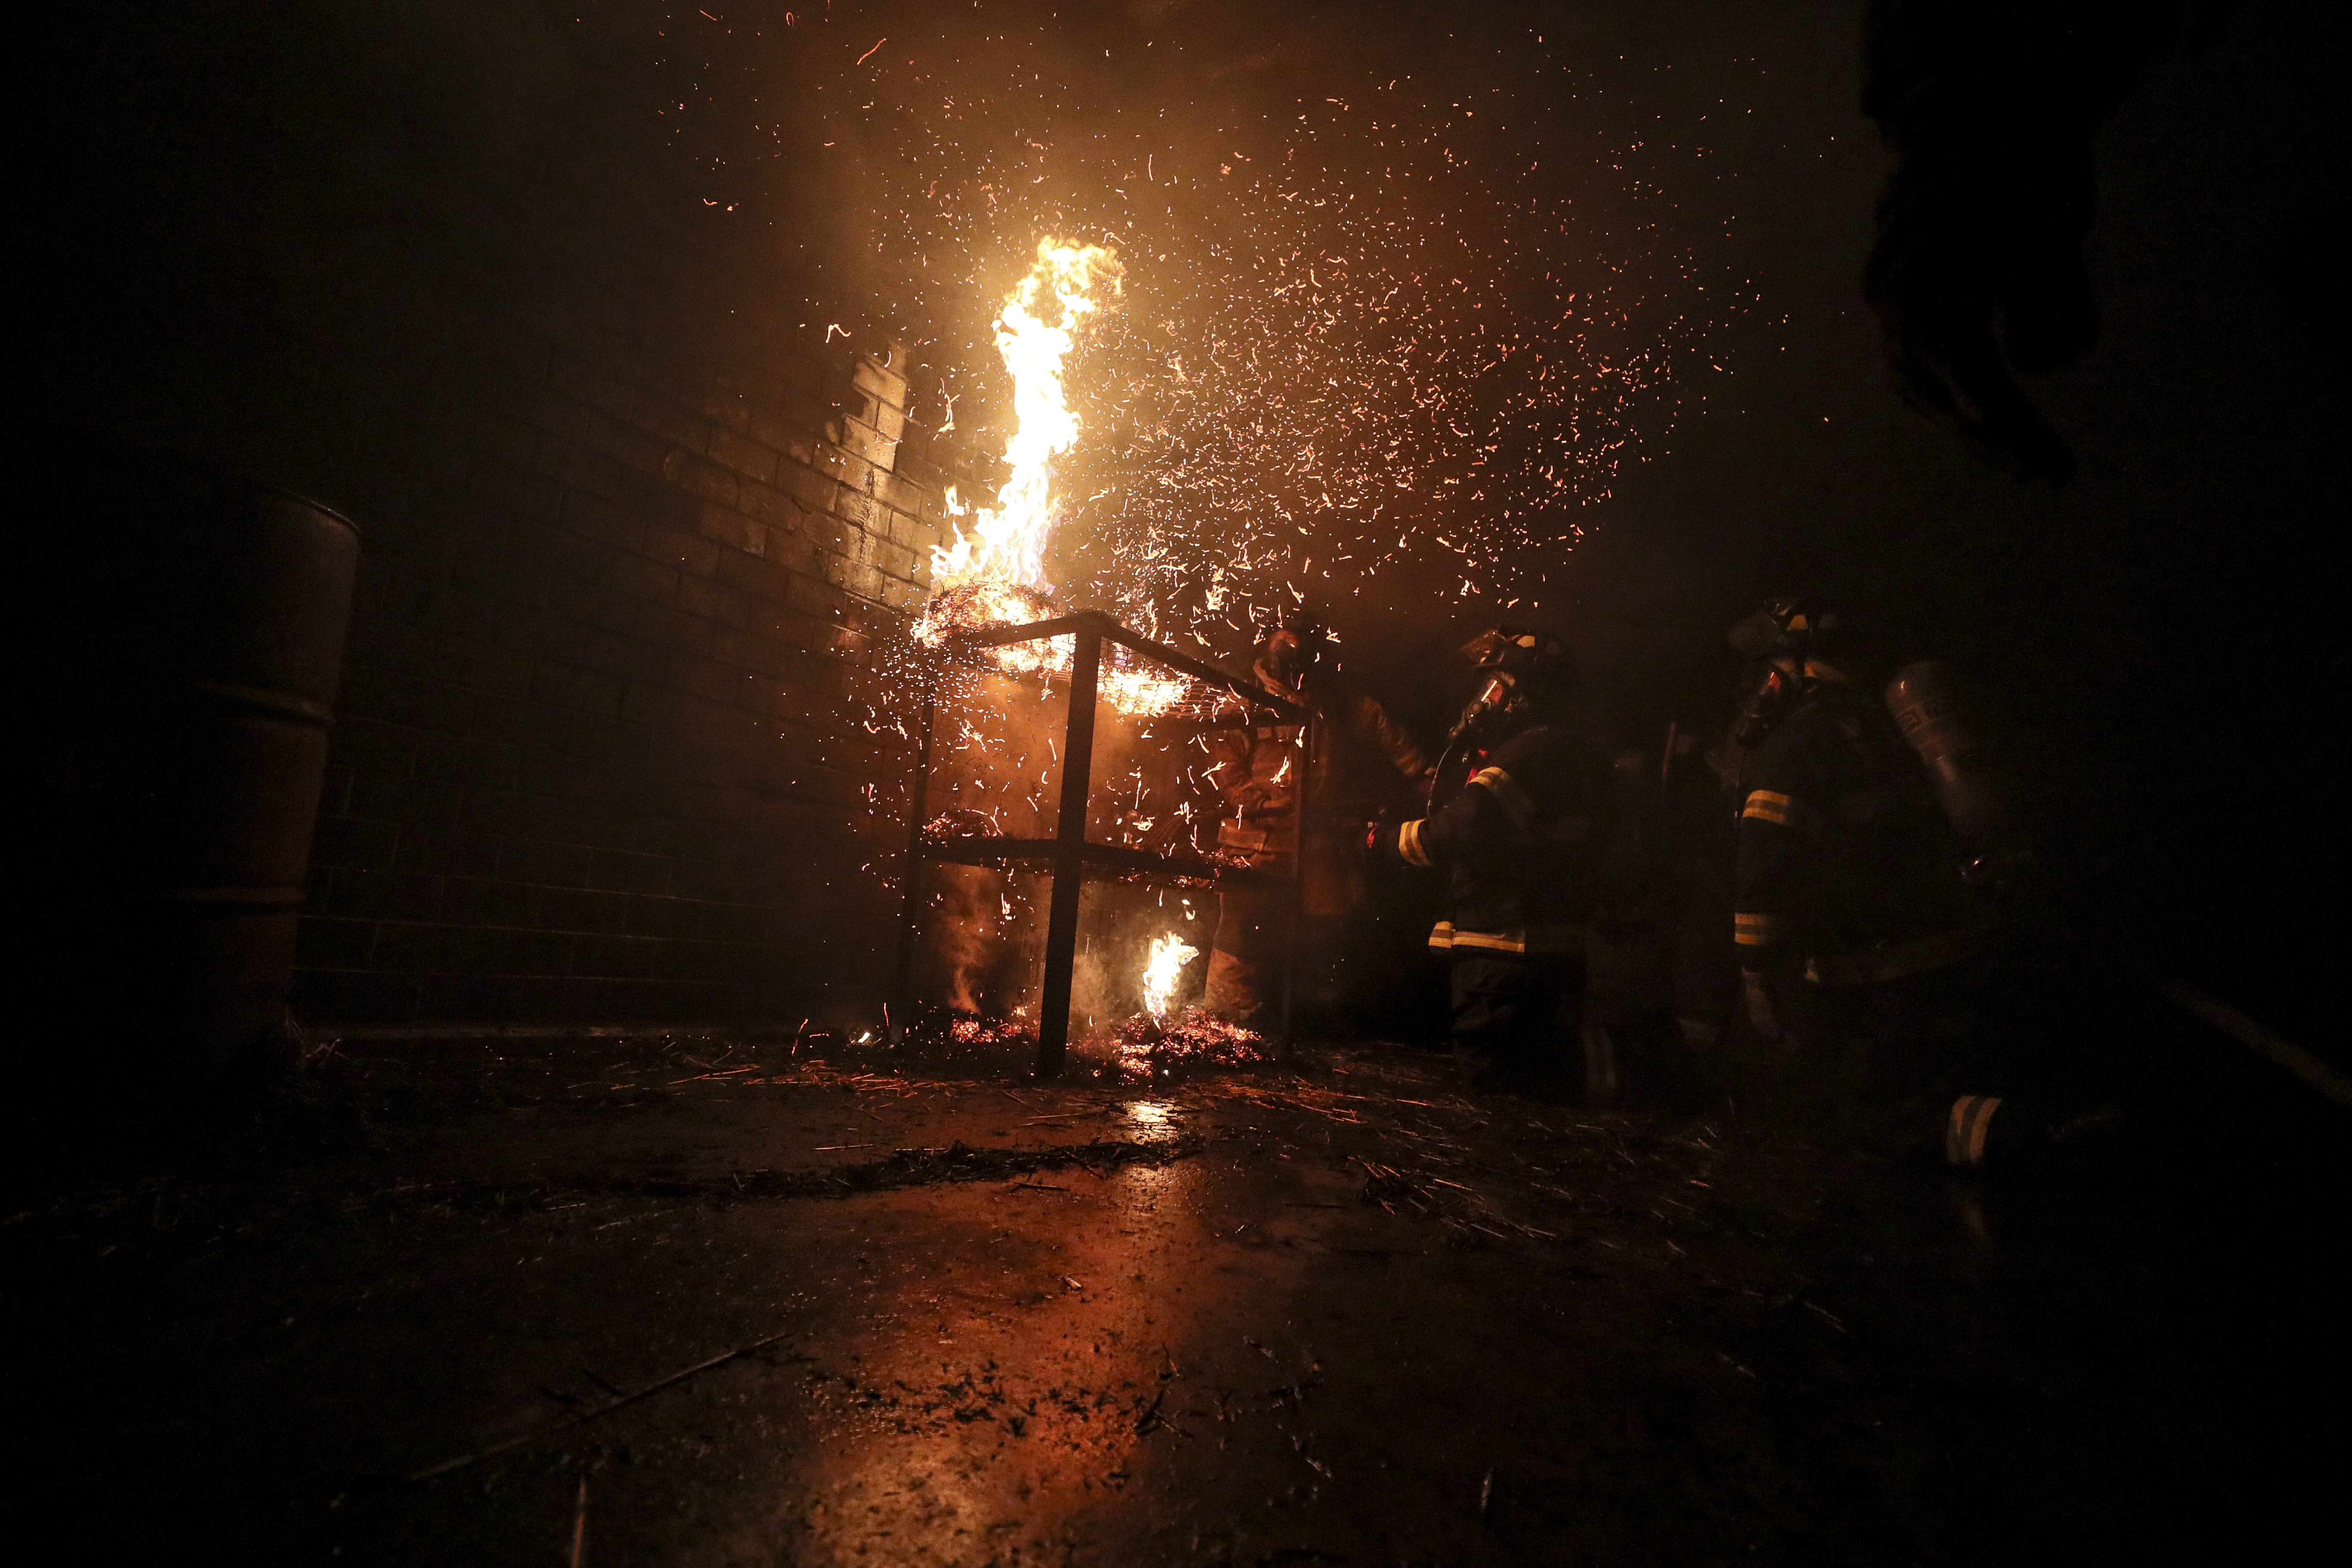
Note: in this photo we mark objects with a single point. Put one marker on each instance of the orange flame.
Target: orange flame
(1169, 954)
(994, 572)
(1006, 544)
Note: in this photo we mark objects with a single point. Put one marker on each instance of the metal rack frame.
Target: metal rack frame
(1069, 855)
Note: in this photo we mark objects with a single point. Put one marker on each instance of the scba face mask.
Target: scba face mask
(1765, 705)
(1498, 698)
(1295, 648)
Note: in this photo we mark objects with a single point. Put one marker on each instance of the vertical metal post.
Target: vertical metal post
(910, 921)
(1069, 862)
(1294, 903)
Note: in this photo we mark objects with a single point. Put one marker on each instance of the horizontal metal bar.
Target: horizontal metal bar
(983, 849)
(1157, 653)
(1033, 631)
(1209, 674)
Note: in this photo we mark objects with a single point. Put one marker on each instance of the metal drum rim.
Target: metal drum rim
(216, 471)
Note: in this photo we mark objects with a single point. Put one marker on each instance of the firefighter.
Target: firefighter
(1701, 816)
(1861, 951)
(1363, 759)
(1519, 846)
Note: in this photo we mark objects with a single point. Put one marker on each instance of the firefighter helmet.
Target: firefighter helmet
(1523, 671)
(1296, 644)
(1781, 642)
(1791, 627)
(1528, 656)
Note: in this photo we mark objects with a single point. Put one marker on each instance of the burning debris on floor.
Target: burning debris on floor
(1152, 1049)
(1137, 1050)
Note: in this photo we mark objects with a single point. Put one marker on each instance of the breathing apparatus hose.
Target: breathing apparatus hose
(1495, 696)
(1448, 763)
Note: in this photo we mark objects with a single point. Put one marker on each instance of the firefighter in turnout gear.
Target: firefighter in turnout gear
(1362, 759)
(1847, 872)
(1861, 949)
(1520, 845)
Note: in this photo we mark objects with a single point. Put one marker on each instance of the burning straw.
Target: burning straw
(1151, 1048)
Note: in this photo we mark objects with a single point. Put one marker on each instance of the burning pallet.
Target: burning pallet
(1069, 857)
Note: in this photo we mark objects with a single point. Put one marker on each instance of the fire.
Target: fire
(985, 603)
(1132, 689)
(1169, 954)
(994, 572)
(1035, 333)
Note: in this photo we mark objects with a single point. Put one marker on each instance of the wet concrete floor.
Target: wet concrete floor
(683, 1302)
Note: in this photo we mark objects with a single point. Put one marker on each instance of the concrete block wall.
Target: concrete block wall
(607, 753)
(642, 487)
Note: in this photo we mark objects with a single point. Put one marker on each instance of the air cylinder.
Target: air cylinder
(1928, 712)
(182, 640)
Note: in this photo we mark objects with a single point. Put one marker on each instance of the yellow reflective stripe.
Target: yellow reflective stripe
(1770, 805)
(1965, 1129)
(1409, 844)
(1507, 794)
(1755, 930)
(1446, 936)
(1491, 940)
(1980, 1125)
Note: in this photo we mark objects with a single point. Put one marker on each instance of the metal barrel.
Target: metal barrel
(183, 638)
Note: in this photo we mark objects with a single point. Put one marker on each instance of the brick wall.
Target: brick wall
(636, 518)
(602, 757)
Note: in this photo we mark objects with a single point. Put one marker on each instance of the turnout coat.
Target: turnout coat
(1846, 865)
(1521, 845)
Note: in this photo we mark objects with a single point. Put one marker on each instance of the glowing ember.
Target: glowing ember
(1152, 1050)
(974, 605)
(1136, 688)
(983, 1032)
(1169, 954)
(1034, 333)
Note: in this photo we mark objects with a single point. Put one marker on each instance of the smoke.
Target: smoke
(1405, 297)
(963, 916)
(1409, 291)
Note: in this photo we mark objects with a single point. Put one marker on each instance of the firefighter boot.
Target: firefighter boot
(1987, 1133)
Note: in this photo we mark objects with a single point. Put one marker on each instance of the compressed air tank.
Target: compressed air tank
(1924, 698)
(181, 642)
